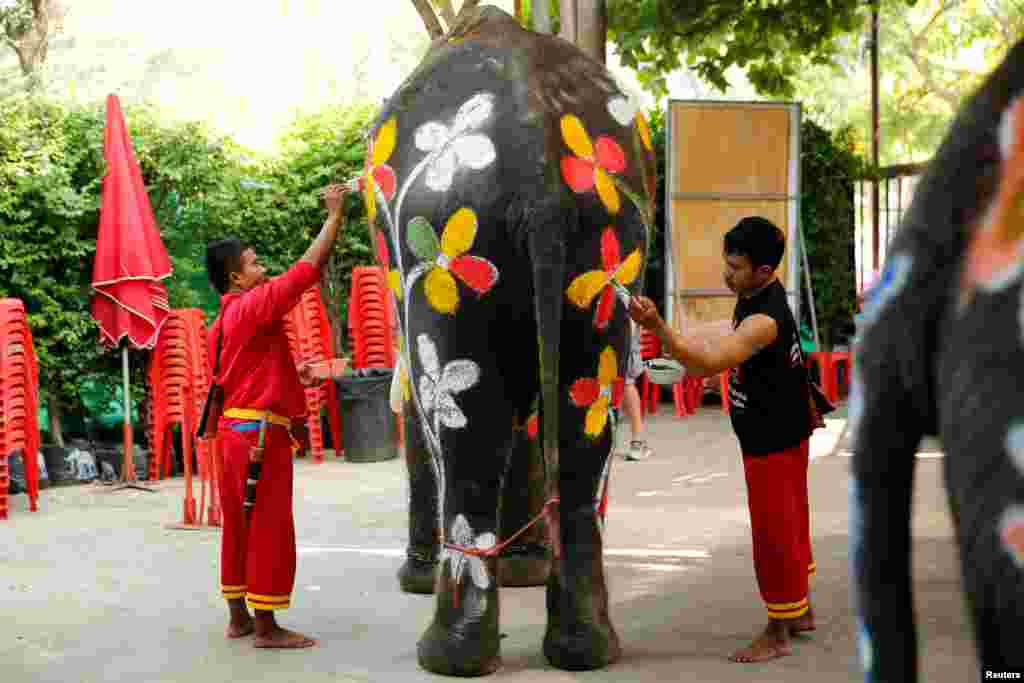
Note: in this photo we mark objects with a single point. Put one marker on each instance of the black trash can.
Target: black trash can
(57, 465)
(110, 460)
(367, 423)
(19, 477)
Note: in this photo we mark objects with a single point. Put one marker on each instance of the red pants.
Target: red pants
(258, 561)
(780, 525)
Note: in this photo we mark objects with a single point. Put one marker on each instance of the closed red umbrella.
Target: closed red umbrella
(130, 303)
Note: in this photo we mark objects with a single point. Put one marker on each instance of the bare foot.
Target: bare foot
(803, 624)
(283, 639)
(771, 644)
(240, 629)
(240, 622)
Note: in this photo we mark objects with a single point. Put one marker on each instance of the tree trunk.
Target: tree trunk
(541, 16)
(53, 408)
(33, 45)
(585, 24)
(430, 20)
(567, 20)
(592, 28)
(446, 11)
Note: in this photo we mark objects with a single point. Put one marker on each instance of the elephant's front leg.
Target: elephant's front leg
(580, 635)
(463, 638)
(418, 572)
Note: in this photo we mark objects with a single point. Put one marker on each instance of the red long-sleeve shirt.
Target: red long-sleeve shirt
(256, 366)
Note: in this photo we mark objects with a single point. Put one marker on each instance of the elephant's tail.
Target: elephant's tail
(547, 256)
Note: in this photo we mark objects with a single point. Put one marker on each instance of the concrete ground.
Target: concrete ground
(95, 588)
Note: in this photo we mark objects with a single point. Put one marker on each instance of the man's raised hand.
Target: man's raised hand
(334, 199)
(643, 311)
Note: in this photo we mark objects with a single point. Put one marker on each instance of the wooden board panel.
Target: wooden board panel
(697, 311)
(730, 148)
(723, 148)
(698, 231)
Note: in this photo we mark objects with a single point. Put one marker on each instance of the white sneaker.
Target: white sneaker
(638, 450)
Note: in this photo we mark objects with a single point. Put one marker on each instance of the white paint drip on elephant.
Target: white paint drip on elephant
(462, 534)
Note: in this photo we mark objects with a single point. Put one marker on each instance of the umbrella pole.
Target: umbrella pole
(128, 479)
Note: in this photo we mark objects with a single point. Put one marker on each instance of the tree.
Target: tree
(770, 41)
(932, 56)
(27, 27)
(51, 170)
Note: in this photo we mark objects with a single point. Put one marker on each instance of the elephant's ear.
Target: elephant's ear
(422, 239)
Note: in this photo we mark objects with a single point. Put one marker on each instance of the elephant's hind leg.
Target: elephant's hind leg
(527, 560)
(580, 635)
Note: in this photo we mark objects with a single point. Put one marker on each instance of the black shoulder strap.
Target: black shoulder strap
(220, 343)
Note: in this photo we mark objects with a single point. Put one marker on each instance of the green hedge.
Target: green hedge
(202, 187)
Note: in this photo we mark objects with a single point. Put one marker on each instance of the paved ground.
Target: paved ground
(95, 588)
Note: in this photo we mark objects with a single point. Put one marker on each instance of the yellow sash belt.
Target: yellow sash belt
(256, 415)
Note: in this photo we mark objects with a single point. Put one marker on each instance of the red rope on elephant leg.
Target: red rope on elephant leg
(496, 549)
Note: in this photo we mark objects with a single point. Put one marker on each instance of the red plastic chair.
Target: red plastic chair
(309, 336)
(19, 401)
(650, 393)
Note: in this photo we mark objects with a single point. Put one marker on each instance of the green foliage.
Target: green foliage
(15, 19)
(654, 281)
(931, 57)
(829, 169)
(201, 188)
(770, 40)
(50, 165)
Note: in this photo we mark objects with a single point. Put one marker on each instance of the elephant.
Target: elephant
(524, 563)
(939, 352)
(509, 183)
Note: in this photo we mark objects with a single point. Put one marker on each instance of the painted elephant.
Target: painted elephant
(941, 351)
(510, 185)
(526, 561)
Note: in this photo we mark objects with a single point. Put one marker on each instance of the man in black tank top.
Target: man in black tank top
(769, 408)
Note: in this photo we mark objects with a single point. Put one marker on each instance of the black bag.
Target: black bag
(819, 405)
(213, 409)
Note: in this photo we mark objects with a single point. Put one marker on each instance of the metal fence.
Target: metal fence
(895, 191)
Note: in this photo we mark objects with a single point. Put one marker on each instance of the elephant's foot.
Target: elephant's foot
(417, 575)
(463, 639)
(528, 564)
(580, 635)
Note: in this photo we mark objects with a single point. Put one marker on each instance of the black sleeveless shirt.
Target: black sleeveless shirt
(768, 393)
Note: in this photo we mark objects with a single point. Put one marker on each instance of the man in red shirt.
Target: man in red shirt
(262, 387)
(770, 413)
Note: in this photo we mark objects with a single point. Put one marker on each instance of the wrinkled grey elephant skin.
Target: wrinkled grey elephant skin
(936, 357)
(510, 186)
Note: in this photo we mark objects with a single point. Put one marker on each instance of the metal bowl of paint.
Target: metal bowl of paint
(665, 371)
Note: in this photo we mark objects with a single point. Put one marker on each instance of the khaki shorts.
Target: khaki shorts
(634, 364)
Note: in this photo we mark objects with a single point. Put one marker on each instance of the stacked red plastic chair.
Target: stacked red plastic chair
(371, 319)
(650, 393)
(373, 326)
(19, 401)
(309, 337)
(179, 378)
